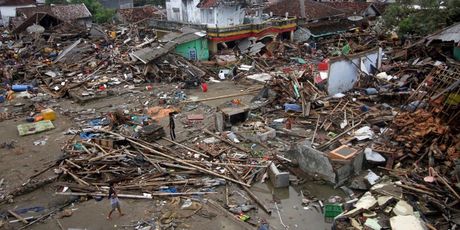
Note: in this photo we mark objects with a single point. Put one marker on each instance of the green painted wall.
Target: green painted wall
(197, 48)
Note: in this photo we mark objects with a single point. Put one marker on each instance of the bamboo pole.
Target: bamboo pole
(185, 147)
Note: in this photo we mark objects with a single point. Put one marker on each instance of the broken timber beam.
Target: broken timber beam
(185, 147)
(222, 97)
(176, 159)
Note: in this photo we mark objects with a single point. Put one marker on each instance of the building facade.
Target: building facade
(8, 9)
(211, 13)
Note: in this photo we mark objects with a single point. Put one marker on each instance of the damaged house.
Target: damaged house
(8, 9)
(227, 23)
(319, 19)
(72, 13)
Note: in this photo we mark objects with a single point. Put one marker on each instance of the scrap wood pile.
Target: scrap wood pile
(129, 155)
(91, 67)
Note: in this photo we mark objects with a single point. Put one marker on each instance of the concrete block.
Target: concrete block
(278, 179)
(312, 161)
(269, 133)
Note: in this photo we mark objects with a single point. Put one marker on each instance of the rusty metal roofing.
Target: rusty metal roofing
(17, 2)
(140, 13)
(63, 12)
(313, 10)
(352, 7)
(214, 3)
(207, 3)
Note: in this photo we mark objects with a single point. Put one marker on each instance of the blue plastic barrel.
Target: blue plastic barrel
(20, 88)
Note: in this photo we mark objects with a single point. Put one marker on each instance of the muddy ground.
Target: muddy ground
(25, 159)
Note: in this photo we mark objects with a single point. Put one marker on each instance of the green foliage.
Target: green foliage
(49, 2)
(99, 12)
(429, 17)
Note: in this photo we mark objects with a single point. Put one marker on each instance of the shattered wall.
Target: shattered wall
(344, 71)
(220, 16)
(312, 161)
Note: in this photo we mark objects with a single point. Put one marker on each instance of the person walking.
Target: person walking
(172, 125)
(114, 202)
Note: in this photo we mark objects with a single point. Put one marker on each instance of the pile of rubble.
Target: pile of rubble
(330, 111)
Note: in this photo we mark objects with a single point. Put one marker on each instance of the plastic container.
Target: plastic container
(20, 88)
(204, 87)
(331, 211)
(49, 114)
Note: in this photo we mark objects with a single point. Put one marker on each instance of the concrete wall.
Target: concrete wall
(174, 10)
(344, 72)
(229, 16)
(193, 14)
(9, 11)
(186, 11)
(312, 161)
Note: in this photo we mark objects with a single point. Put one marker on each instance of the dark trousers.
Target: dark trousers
(172, 133)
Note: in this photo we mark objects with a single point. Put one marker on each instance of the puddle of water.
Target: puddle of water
(289, 200)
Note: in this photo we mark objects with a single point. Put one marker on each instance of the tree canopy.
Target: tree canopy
(421, 17)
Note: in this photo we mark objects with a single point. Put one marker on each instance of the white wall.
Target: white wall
(193, 14)
(343, 73)
(186, 11)
(174, 10)
(229, 16)
(10, 11)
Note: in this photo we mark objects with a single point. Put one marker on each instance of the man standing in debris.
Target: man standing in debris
(172, 125)
(114, 202)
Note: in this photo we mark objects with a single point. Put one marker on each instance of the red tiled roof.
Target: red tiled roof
(64, 12)
(207, 3)
(139, 13)
(313, 10)
(16, 2)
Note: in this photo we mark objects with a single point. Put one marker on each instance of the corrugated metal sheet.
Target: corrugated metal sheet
(149, 54)
(451, 33)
